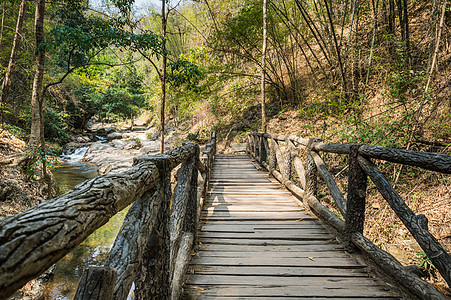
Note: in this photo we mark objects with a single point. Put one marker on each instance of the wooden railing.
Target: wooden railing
(153, 246)
(283, 162)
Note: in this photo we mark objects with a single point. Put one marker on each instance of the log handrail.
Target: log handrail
(32, 241)
(352, 209)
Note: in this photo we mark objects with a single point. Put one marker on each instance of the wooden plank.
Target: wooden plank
(247, 227)
(256, 241)
(262, 242)
(203, 297)
(278, 271)
(224, 207)
(253, 215)
(300, 221)
(292, 291)
(262, 235)
(320, 262)
(268, 248)
(327, 282)
(282, 254)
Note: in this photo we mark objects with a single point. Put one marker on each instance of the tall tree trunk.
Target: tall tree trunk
(406, 30)
(12, 59)
(263, 69)
(391, 17)
(163, 73)
(37, 92)
(3, 23)
(401, 19)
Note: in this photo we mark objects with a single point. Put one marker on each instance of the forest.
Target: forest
(346, 71)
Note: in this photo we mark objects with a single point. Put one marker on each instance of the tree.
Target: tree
(12, 59)
(164, 15)
(263, 69)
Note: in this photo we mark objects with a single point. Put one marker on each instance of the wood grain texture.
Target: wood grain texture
(255, 241)
(96, 283)
(32, 241)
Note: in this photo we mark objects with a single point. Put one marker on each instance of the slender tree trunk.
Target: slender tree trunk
(337, 48)
(263, 69)
(36, 96)
(6, 86)
(437, 44)
(401, 19)
(391, 17)
(163, 73)
(406, 30)
(3, 23)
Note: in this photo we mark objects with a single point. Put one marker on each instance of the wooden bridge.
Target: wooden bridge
(252, 237)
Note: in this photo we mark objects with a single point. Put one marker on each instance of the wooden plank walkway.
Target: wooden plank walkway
(257, 241)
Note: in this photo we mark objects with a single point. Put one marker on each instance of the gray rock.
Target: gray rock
(114, 136)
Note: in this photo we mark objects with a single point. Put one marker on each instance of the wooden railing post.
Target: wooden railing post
(96, 283)
(288, 161)
(248, 143)
(152, 279)
(355, 207)
(263, 154)
(256, 147)
(311, 178)
(272, 155)
(190, 224)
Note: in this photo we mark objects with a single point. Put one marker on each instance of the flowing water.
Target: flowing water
(94, 250)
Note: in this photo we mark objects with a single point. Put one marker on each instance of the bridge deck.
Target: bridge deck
(257, 241)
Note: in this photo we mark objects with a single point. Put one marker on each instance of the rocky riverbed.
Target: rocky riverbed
(113, 150)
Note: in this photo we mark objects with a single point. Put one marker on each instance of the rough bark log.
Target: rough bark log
(96, 283)
(325, 214)
(267, 150)
(299, 167)
(272, 156)
(32, 241)
(426, 160)
(131, 241)
(330, 182)
(183, 193)
(287, 183)
(394, 268)
(191, 221)
(311, 177)
(282, 138)
(153, 277)
(281, 162)
(416, 224)
(263, 153)
(357, 179)
(181, 266)
(332, 148)
(288, 159)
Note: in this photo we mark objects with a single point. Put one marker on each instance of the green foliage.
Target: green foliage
(424, 262)
(184, 73)
(14, 130)
(40, 155)
(192, 137)
(55, 125)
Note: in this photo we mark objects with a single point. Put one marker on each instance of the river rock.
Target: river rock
(83, 139)
(114, 136)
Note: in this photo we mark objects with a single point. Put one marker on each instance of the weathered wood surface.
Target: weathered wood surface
(357, 182)
(254, 243)
(330, 182)
(30, 242)
(416, 224)
(426, 160)
(127, 252)
(383, 259)
(97, 283)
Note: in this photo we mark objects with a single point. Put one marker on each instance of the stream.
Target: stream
(94, 250)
